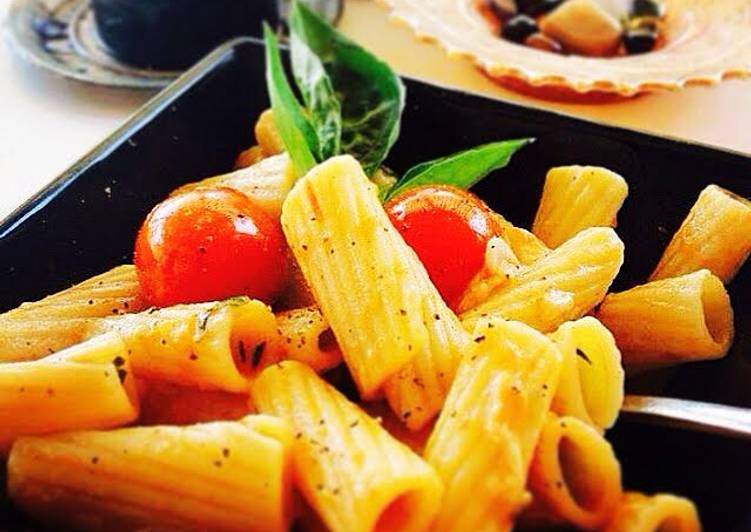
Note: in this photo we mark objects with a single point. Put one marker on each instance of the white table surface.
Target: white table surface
(47, 123)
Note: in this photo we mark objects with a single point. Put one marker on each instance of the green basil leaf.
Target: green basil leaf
(371, 95)
(299, 137)
(463, 169)
(318, 94)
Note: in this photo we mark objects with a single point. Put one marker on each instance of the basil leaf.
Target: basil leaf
(463, 169)
(297, 133)
(371, 95)
(318, 94)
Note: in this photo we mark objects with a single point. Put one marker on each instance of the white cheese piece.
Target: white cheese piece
(584, 27)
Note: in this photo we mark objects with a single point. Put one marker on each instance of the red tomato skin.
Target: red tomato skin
(209, 244)
(449, 229)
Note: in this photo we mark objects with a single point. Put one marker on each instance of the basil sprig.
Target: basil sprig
(463, 169)
(353, 105)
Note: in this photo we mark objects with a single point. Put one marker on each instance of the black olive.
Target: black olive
(540, 7)
(519, 28)
(639, 41)
(647, 8)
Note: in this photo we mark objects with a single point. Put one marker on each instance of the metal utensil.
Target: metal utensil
(692, 415)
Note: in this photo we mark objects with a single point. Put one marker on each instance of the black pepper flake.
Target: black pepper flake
(559, 484)
(418, 382)
(164, 342)
(50, 392)
(28, 343)
(22, 389)
(122, 374)
(298, 435)
(203, 320)
(409, 347)
(332, 251)
(336, 491)
(95, 460)
(515, 389)
(255, 358)
(563, 424)
(152, 310)
(490, 325)
(406, 414)
(479, 339)
(437, 317)
(321, 421)
(508, 276)
(581, 354)
(325, 449)
(217, 463)
(353, 243)
(402, 312)
(453, 414)
(241, 351)
(126, 304)
(91, 301)
(225, 452)
(201, 249)
(193, 356)
(544, 386)
(354, 423)
(473, 358)
(319, 487)
(115, 311)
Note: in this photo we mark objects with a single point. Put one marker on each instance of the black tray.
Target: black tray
(86, 220)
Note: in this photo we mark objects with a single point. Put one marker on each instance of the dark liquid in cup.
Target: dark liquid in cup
(173, 34)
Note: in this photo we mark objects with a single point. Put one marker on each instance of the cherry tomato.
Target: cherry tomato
(449, 229)
(209, 244)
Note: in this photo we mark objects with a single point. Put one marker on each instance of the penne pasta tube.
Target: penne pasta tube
(575, 475)
(266, 182)
(591, 384)
(564, 285)
(215, 346)
(38, 328)
(87, 386)
(307, 337)
(715, 235)
(526, 246)
(575, 198)
(372, 288)
(484, 439)
(643, 513)
(682, 319)
(347, 467)
(164, 403)
(224, 476)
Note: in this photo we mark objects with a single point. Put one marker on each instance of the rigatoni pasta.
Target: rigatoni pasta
(266, 182)
(671, 320)
(307, 337)
(575, 198)
(371, 287)
(715, 235)
(349, 469)
(638, 512)
(88, 386)
(224, 476)
(591, 384)
(484, 439)
(38, 328)
(563, 285)
(575, 476)
(207, 345)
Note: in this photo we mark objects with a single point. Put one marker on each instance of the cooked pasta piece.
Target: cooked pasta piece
(526, 246)
(715, 235)
(267, 134)
(657, 513)
(681, 319)
(575, 475)
(348, 468)
(230, 475)
(372, 289)
(266, 182)
(575, 198)
(207, 345)
(501, 264)
(87, 386)
(307, 337)
(563, 285)
(591, 384)
(484, 439)
(39, 328)
(164, 403)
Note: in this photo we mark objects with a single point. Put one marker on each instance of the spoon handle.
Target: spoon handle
(692, 415)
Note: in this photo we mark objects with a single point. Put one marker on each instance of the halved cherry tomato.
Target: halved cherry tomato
(209, 244)
(449, 229)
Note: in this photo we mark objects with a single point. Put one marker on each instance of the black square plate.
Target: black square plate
(85, 222)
